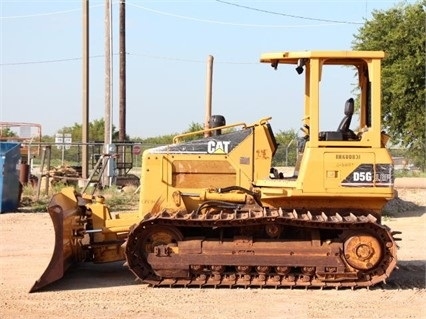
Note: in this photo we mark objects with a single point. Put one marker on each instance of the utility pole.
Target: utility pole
(85, 93)
(122, 112)
(107, 161)
(122, 89)
(107, 115)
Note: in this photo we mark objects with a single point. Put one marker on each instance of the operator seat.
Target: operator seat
(346, 121)
(343, 132)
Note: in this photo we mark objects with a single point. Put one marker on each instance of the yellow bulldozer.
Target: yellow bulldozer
(213, 211)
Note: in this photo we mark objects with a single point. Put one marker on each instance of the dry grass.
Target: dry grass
(118, 199)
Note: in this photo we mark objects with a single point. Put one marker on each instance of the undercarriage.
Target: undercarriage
(274, 248)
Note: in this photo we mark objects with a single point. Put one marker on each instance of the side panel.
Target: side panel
(335, 179)
(358, 170)
(202, 173)
(190, 175)
(347, 171)
(338, 165)
(187, 169)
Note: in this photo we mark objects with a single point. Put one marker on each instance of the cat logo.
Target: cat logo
(218, 147)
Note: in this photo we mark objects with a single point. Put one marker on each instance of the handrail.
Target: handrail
(177, 137)
(244, 125)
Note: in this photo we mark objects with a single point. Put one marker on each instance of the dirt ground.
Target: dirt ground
(109, 290)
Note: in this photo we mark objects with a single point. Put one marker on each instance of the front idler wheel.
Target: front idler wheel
(363, 251)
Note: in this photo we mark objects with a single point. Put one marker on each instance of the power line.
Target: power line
(43, 14)
(38, 14)
(328, 21)
(158, 57)
(47, 61)
(186, 60)
(285, 14)
(228, 23)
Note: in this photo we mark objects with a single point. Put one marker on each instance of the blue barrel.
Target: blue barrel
(10, 155)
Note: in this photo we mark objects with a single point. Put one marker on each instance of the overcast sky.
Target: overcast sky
(167, 44)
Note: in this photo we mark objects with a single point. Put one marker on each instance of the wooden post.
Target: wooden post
(209, 84)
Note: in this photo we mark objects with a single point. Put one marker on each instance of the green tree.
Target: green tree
(400, 32)
(96, 131)
(7, 132)
(287, 145)
(168, 138)
(96, 134)
(159, 140)
(194, 127)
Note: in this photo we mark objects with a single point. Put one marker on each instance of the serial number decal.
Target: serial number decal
(370, 175)
(348, 156)
(345, 164)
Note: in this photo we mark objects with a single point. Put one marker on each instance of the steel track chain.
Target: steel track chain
(228, 218)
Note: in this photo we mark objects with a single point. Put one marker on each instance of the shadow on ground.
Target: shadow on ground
(90, 275)
(410, 275)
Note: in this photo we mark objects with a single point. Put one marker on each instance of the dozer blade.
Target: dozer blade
(64, 211)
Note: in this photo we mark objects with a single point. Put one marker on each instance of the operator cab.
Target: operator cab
(314, 65)
(324, 142)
